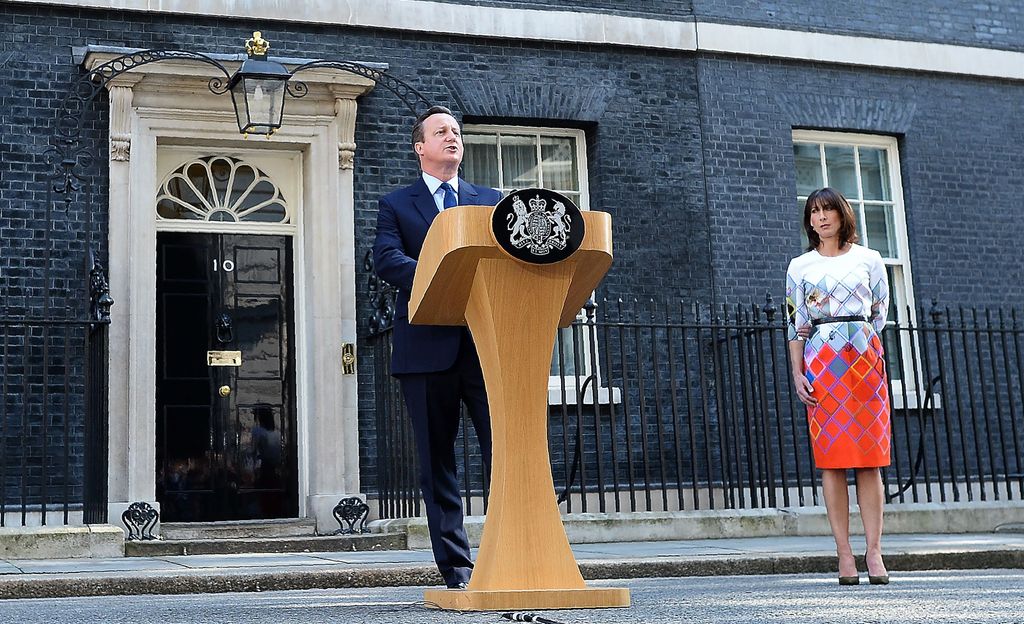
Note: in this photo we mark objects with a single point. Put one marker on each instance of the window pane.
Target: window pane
(245, 176)
(199, 182)
(874, 173)
(896, 298)
(575, 197)
(220, 171)
(197, 175)
(169, 209)
(881, 230)
(808, 168)
(518, 161)
(563, 354)
(222, 216)
(480, 165)
(558, 163)
(221, 189)
(890, 337)
(273, 212)
(858, 214)
(842, 174)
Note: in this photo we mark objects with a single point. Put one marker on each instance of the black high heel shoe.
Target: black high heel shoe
(849, 580)
(882, 579)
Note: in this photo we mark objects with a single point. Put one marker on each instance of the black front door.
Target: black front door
(225, 395)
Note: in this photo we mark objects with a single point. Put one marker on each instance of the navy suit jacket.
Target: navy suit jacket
(402, 223)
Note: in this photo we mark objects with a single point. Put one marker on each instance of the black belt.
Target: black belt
(838, 319)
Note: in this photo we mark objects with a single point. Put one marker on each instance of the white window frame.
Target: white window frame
(537, 133)
(555, 382)
(903, 292)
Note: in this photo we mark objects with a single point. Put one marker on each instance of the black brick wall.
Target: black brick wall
(959, 156)
(639, 109)
(990, 23)
(645, 127)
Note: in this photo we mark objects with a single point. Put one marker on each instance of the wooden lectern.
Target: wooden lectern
(513, 310)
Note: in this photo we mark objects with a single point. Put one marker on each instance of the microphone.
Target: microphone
(519, 616)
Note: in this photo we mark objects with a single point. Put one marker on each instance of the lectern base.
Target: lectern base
(516, 599)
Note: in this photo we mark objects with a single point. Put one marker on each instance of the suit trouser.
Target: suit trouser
(432, 401)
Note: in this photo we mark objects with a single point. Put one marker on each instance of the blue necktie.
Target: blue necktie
(451, 200)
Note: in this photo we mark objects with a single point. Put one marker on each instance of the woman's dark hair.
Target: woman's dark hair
(417, 128)
(830, 199)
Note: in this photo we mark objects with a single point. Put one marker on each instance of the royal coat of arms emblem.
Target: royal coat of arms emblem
(538, 226)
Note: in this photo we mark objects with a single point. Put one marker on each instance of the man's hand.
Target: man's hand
(804, 332)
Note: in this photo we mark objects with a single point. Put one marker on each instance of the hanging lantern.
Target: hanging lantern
(258, 89)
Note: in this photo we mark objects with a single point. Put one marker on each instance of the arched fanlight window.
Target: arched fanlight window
(221, 189)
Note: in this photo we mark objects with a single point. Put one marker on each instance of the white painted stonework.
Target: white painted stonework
(595, 28)
(866, 51)
(163, 114)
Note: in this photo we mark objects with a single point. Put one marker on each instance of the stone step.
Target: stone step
(238, 529)
(291, 544)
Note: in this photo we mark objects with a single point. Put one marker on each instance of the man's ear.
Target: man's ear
(418, 148)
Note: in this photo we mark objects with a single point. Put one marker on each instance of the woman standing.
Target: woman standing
(838, 296)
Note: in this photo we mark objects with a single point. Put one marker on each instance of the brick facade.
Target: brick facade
(958, 164)
(690, 153)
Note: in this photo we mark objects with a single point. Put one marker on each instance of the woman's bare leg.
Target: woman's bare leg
(871, 499)
(837, 504)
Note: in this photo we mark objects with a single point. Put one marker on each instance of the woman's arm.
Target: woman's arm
(798, 330)
(804, 389)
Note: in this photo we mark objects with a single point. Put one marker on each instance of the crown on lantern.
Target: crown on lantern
(257, 46)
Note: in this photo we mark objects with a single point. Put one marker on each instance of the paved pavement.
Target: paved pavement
(925, 597)
(263, 572)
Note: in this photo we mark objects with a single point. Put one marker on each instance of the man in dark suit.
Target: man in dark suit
(437, 367)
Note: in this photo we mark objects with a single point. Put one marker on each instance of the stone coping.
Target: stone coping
(106, 540)
(64, 542)
(590, 528)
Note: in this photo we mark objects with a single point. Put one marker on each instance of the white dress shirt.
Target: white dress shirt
(434, 185)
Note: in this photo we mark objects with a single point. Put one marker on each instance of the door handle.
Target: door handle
(224, 391)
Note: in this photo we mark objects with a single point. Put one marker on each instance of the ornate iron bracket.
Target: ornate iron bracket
(350, 511)
(140, 518)
(768, 309)
(382, 299)
(99, 291)
(409, 96)
(936, 312)
(66, 155)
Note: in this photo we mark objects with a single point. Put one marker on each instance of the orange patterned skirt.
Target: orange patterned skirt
(849, 426)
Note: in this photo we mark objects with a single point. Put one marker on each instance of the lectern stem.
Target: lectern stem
(513, 314)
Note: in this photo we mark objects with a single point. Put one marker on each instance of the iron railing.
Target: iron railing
(53, 424)
(673, 407)
(53, 407)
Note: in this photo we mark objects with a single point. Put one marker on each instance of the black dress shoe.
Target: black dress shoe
(459, 585)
